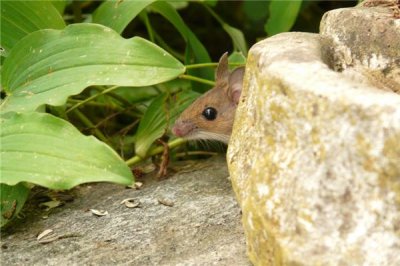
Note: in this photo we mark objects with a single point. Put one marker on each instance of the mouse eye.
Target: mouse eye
(210, 113)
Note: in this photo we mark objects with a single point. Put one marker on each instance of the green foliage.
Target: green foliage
(236, 35)
(39, 70)
(19, 18)
(162, 113)
(123, 79)
(283, 15)
(117, 15)
(237, 58)
(45, 150)
(194, 47)
(12, 199)
(60, 5)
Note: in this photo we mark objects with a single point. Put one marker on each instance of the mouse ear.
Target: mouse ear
(222, 71)
(236, 84)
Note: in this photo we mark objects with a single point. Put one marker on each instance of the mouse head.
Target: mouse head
(211, 115)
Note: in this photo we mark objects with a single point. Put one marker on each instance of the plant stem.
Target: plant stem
(167, 47)
(172, 144)
(214, 14)
(209, 65)
(145, 18)
(76, 8)
(183, 154)
(91, 98)
(89, 124)
(119, 98)
(201, 65)
(200, 80)
(97, 104)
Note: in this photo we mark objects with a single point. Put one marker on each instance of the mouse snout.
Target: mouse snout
(182, 128)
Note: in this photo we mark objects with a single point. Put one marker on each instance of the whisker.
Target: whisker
(211, 136)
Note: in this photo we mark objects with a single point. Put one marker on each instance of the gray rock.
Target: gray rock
(201, 228)
(314, 157)
(366, 39)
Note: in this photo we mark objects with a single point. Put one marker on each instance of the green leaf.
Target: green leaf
(12, 199)
(195, 47)
(236, 35)
(142, 94)
(169, 13)
(118, 14)
(48, 151)
(237, 58)
(160, 114)
(283, 15)
(237, 38)
(179, 4)
(19, 18)
(60, 5)
(50, 65)
(255, 10)
(210, 2)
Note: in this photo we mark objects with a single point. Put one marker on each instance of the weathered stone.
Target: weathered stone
(315, 159)
(365, 38)
(201, 228)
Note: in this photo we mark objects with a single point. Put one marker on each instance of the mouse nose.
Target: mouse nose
(176, 131)
(181, 128)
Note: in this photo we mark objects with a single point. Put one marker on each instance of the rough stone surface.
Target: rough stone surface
(365, 38)
(202, 228)
(315, 159)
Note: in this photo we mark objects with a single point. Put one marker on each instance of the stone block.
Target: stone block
(314, 159)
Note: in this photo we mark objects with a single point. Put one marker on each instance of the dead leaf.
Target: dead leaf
(147, 169)
(49, 239)
(130, 203)
(162, 172)
(44, 233)
(51, 204)
(99, 212)
(53, 237)
(136, 185)
(10, 212)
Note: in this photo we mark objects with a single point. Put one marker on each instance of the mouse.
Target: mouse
(211, 116)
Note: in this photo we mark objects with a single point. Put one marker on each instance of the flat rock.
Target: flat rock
(201, 228)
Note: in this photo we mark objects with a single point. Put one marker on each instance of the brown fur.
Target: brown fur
(223, 97)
